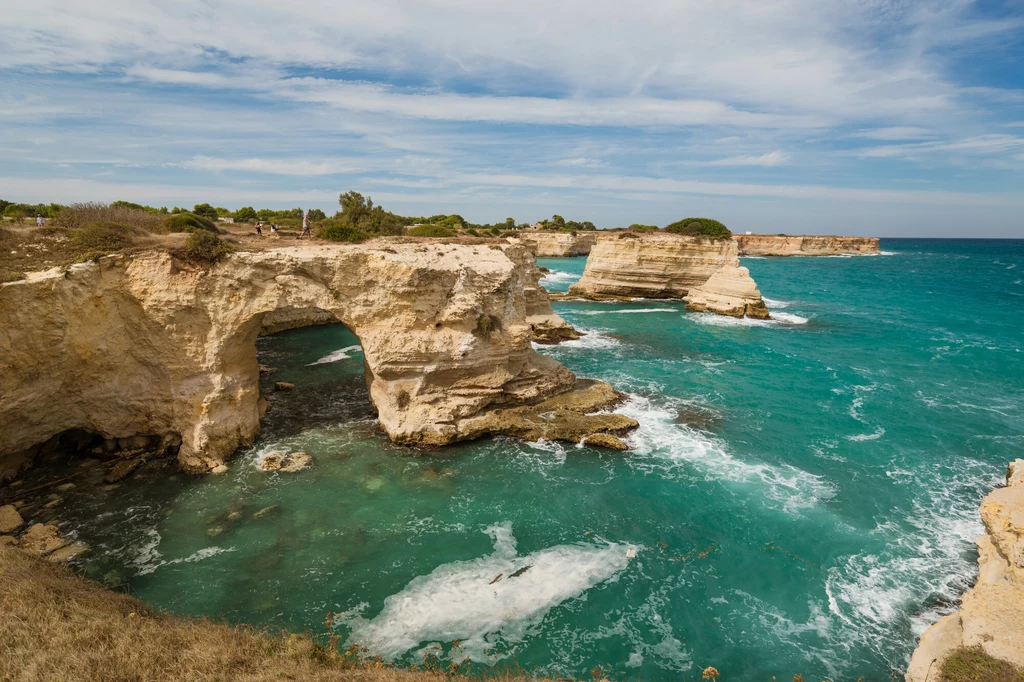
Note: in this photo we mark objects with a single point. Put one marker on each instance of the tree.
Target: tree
(510, 223)
(206, 211)
(359, 212)
(700, 227)
(245, 214)
(317, 215)
(558, 220)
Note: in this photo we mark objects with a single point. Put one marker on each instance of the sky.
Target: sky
(867, 117)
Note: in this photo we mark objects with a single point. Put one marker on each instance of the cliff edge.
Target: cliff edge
(142, 345)
(805, 245)
(992, 613)
(704, 272)
(556, 244)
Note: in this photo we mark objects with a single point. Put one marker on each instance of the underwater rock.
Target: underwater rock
(265, 511)
(219, 469)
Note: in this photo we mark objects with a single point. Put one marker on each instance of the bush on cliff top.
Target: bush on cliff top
(637, 227)
(104, 237)
(189, 222)
(700, 227)
(430, 231)
(342, 233)
(974, 665)
(204, 247)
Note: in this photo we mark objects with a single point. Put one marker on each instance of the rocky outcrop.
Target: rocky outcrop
(992, 613)
(544, 244)
(704, 272)
(141, 344)
(805, 245)
(547, 327)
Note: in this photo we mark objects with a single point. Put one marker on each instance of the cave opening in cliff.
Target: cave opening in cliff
(312, 372)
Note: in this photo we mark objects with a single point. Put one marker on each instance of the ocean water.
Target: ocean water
(801, 496)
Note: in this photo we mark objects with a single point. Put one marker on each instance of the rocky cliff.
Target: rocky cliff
(804, 245)
(144, 346)
(556, 244)
(704, 272)
(992, 613)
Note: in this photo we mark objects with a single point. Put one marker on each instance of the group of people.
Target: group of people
(258, 227)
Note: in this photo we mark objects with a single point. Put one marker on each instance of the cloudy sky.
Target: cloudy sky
(882, 117)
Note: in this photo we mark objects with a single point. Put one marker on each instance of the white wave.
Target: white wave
(627, 310)
(593, 339)
(467, 601)
(559, 277)
(342, 354)
(715, 320)
(878, 433)
(772, 303)
(886, 253)
(661, 438)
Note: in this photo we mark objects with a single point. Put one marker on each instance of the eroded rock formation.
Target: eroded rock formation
(706, 273)
(556, 244)
(140, 344)
(804, 245)
(992, 613)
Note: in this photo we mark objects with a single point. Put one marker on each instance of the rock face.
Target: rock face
(706, 273)
(992, 613)
(804, 245)
(543, 244)
(142, 344)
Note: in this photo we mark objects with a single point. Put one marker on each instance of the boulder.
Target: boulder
(122, 470)
(10, 519)
(283, 386)
(68, 552)
(296, 462)
(41, 539)
(605, 440)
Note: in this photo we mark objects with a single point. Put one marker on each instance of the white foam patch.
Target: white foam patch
(772, 303)
(462, 600)
(627, 310)
(886, 253)
(661, 438)
(878, 433)
(342, 354)
(559, 277)
(593, 339)
(715, 320)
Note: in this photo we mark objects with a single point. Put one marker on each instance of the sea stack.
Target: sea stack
(705, 272)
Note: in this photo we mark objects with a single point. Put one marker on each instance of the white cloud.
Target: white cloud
(895, 133)
(981, 145)
(776, 158)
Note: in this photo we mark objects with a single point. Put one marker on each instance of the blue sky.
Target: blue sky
(880, 117)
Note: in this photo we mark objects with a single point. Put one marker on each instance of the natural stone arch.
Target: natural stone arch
(140, 344)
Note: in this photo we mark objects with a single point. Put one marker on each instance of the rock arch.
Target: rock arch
(140, 344)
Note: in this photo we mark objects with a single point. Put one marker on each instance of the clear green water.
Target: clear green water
(801, 496)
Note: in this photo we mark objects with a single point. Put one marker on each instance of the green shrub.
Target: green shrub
(100, 238)
(473, 233)
(974, 665)
(205, 247)
(342, 233)
(637, 227)
(495, 232)
(190, 222)
(430, 231)
(700, 227)
(246, 214)
(206, 211)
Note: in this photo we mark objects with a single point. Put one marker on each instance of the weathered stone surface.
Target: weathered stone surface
(283, 386)
(804, 245)
(122, 470)
(544, 244)
(272, 461)
(992, 613)
(6, 540)
(68, 552)
(142, 343)
(605, 440)
(704, 272)
(547, 327)
(10, 519)
(41, 539)
(296, 461)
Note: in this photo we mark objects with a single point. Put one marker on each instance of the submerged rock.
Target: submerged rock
(266, 511)
(10, 519)
(285, 462)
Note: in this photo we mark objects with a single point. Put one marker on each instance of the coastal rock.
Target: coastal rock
(285, 462)
(8, 540)
(143, 343)
(10, 519)
(68, 552)
(605, 440)
(805, 245)
(41, 539)
(547, 327)
(122, 470)
(544, 244)
(283, 386)
(704, 272)
(992, 613)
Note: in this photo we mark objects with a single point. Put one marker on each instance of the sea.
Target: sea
(801, 496)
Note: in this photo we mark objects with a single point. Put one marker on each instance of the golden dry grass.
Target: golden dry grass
(57, 627)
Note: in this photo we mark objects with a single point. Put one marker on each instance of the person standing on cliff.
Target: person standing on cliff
(305, 226)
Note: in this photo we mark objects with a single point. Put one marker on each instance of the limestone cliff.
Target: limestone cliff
(992, 613)
(704, 272)
(143, 345)
(556, 244)
(805, 245)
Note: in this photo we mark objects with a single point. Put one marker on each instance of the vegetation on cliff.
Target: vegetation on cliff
(700, 227)
(972, 664)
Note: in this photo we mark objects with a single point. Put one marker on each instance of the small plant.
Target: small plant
(342, 233)
(205, 247)
(189, 222)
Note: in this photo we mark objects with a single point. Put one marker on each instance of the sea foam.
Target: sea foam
(342, 354)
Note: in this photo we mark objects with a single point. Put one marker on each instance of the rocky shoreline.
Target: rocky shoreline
(991, 615)
(805, 245)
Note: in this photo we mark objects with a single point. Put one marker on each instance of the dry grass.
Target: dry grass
(57, 627)
(974, 665)
(77, 216)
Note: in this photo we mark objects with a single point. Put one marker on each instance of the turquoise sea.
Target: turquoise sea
(801, 496)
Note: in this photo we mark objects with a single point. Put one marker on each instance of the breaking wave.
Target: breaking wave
(342, 354)
(715, 320)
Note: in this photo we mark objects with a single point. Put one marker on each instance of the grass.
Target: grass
(972, 664)
(58, 627)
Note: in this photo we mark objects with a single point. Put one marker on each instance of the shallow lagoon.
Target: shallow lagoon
(801, 497)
